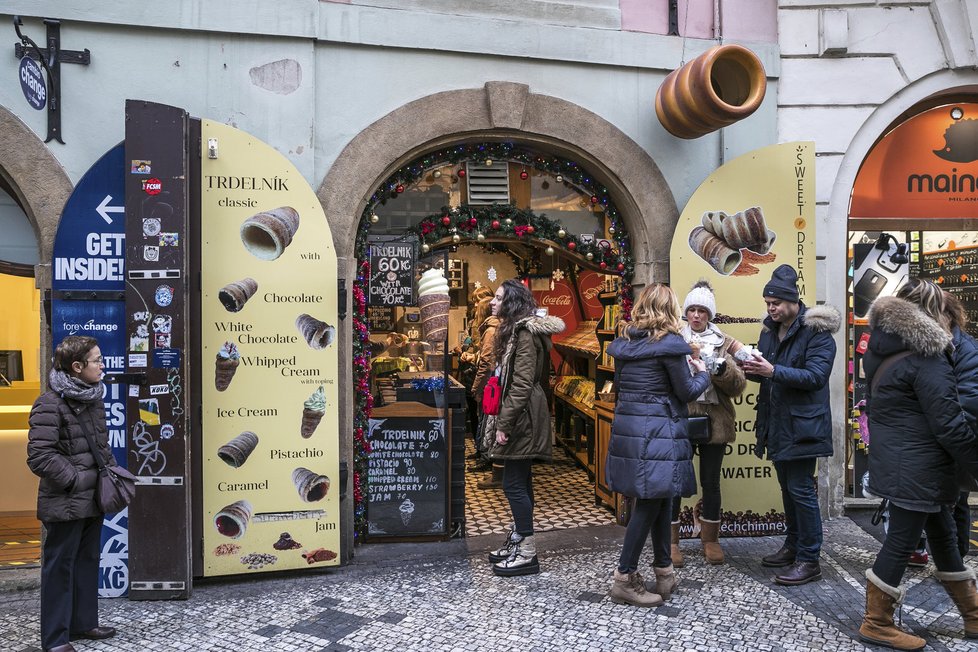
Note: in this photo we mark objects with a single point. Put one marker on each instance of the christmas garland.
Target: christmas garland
(469, 223)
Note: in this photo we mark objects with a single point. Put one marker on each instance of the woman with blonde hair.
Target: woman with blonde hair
(649, 456)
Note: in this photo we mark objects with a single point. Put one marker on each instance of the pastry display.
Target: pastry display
(435, 302)
(267, 234)
(310, 485)
(318, 334)
(236, 452)
(226, 364)
(312, 412)
(714, 250)
(233, 296)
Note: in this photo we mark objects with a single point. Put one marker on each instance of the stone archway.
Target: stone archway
(499, 110)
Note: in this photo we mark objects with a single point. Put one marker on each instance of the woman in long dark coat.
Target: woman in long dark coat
(521, 433)
(58, 452)
(649, 456)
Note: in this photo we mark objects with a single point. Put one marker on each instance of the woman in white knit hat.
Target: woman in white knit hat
(710, 344)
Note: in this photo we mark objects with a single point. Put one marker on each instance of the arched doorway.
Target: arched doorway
(500, 112)
(33, 187)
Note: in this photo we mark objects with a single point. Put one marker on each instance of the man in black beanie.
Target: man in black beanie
(794, 421)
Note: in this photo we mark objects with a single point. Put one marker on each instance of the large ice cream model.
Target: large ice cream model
(434, 301)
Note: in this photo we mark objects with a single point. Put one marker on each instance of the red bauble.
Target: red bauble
(524, 175)
(461, 172)
(399, 189)
(603, 265)
(594, 199)
(621, 267)
(530, 229)
(495, 225)
(572, 246)
(473, 222)
(446, 220)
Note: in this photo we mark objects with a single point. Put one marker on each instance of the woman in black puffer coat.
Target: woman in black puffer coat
(650, 458)
(918, 429)
(58, 452)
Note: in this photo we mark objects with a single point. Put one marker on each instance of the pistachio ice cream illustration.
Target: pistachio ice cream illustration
(317, 334)
(312, 412)
(233, 296)
(435, 302)
(228, 359)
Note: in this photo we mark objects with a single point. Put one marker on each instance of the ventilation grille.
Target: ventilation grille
(488, 184)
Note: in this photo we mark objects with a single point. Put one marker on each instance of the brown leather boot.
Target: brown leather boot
(709, 535)
(878, 627)
(630, 589)
(495, 482)
(961, 587)
(674, 552)
(665, 581)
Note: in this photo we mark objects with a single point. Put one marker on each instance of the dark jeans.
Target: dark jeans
(962, 521)
(472, 412)
(69, 579)
(903, 535)
(711, 460)
(518, 487)
(649, 516)
(797, 480)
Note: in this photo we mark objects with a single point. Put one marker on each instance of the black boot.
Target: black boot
(800, 572)
(783, 557)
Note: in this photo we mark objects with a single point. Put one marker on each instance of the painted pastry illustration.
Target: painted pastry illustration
(319, 554)
(234, 295)
(318, 334)
(232, 521)
(407, 511)
(228, 359)
(236, 452)
(312, 412)
(311, 486)
(434, 301)
(722, 239)
(267, 234)
(286, 542)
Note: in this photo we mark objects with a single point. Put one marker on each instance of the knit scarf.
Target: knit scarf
(71, 387)
(711, 336)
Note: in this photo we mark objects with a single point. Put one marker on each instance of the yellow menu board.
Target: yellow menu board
(269, 362)
(751, 215)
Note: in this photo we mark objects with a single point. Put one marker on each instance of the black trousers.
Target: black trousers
(711, 460)
(962, 520)
(69, 579)
(518, 487)
(902, 537)
(649, 516)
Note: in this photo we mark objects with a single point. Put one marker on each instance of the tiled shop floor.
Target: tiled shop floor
(20, 540)
(563, 492)
(443, 597)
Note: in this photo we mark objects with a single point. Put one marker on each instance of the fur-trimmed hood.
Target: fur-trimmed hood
(904, 320)
(548, 325)
(823, 319)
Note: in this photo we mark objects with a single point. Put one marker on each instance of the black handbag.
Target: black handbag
(115, 486)
(698, 429)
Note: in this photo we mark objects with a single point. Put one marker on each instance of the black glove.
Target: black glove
(759, 449)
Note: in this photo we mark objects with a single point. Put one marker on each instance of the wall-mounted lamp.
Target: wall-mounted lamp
(212, 148)
(898, 258)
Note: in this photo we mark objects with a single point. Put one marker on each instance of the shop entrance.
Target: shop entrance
(480, 213)
(20, 327)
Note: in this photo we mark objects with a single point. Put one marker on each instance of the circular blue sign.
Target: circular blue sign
(32, 83)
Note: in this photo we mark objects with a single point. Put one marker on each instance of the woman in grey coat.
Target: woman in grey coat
(58, 452)
(649, 455)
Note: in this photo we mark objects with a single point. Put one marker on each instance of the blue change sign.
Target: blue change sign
(89, 254)
(32, 83)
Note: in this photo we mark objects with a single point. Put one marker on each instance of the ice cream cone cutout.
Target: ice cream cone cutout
(226, 364)
(312, 412)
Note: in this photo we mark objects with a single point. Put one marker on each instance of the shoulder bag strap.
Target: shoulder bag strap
(884, 367)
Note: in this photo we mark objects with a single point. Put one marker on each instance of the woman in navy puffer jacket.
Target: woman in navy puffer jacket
(649, 456)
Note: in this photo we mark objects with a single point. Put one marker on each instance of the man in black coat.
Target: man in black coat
(794, 421)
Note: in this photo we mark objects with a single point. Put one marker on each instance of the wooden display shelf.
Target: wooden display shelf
(580, 407)
(608, 295)
(606, 368)
(602, 331)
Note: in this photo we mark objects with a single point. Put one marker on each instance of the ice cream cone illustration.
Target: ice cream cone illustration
(312, 412)
(311, 486)
(233, 296)
(407, 511)
(232, 521)
(267, 234)
(228, 359)
(318, 334)
(236, 452)
(435, 302)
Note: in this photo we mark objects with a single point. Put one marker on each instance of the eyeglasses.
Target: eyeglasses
(97, 360)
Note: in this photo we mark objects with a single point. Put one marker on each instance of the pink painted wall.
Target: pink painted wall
(750, 20)
(746, 20)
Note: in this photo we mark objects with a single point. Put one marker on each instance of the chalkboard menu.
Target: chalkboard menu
(408, 473)
(392, 261)
(380, 318)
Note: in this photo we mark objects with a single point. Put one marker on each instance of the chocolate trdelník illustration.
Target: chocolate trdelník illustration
(312, 487)
(236, 452)
(317, 334)
(233, 296)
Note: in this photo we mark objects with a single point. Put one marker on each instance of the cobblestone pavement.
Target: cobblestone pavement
(443, 596)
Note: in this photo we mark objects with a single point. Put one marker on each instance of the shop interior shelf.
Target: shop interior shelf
(603, 367)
